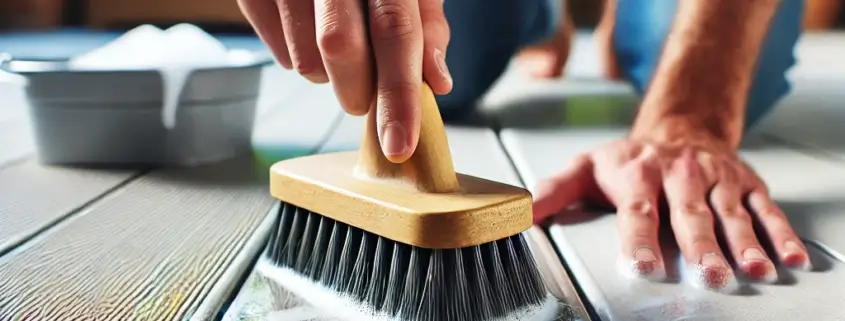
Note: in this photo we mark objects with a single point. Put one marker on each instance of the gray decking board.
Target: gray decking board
(15, 142)
(151, 250)
(34, 196)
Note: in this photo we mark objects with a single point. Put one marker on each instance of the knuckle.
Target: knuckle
(639, 208)
(396, 89)
(391, 21)
(770, 213)
(734, 214)
(337, 43)
(396, 97)
(785, 233)
(775, 221)
(698, 210)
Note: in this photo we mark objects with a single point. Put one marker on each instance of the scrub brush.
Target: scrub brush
(369, 239)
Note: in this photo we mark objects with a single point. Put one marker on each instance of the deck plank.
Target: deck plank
(793, 178)
(811, 116)
(151, 250)
(297, 128)
(15, 141)
(35, 197)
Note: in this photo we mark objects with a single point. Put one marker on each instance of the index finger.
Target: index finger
(564, 189)
(397, 40)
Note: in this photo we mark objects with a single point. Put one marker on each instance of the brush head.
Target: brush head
(406, 241)
(480, 211)
(362, 276)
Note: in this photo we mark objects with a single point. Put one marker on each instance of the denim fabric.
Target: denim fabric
(487, 33)
(642, 26)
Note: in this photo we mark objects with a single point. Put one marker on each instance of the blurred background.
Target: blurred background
(223, 16)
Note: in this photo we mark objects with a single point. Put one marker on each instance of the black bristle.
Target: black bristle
(395, 280)
(460, 293)
(480, 282)
(327, 278)
(498, 279)
(295, 236)
(381, 267)
(306, 245)
(475, 283)
(414, 283)
(362, 271)
(347, 259)
(321, 247)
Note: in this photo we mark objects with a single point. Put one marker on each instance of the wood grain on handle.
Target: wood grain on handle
(430, 168)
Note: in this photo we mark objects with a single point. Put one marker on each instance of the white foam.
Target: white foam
(335, 305)
(695, 275)
(175, 53)
(628, 269)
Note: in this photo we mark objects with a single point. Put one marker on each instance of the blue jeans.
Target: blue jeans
(487, 33)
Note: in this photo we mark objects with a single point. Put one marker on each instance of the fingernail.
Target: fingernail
(317, 78)
(713, 260)
(795, 256)
(714, 272)
(758, 266)
(645, 264)
(394, 141)
(441, 64)
(644, 254)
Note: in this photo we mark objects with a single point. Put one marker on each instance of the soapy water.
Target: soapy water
(175, 53)
(315, 303)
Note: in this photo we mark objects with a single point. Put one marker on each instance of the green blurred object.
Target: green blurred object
(598, 110)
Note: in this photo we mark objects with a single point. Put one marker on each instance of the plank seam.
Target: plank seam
(61, 220)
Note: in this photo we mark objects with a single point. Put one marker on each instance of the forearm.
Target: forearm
(706, 69)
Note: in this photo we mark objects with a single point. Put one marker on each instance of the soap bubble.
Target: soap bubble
(134, 49)
(174, 52)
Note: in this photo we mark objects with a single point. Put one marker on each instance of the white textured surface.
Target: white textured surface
(794, 178)
(15, 137)
(299, 123)
(812, 115)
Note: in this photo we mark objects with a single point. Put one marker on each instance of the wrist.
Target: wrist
(688, 129)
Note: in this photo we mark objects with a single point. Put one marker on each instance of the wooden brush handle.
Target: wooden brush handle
(430, 168)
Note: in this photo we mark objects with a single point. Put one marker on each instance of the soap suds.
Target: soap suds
(335, 306)
(717, 280)
(634, 270)
(175, 53)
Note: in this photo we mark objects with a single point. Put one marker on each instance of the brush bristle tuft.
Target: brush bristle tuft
(477, 283)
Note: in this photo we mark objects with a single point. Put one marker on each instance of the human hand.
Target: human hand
(344, 41)
(547, 60)
(705, 185)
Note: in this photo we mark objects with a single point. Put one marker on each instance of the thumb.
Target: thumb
(436, 35)
(564, 189)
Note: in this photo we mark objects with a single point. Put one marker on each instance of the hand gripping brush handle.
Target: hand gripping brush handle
(409, 241)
